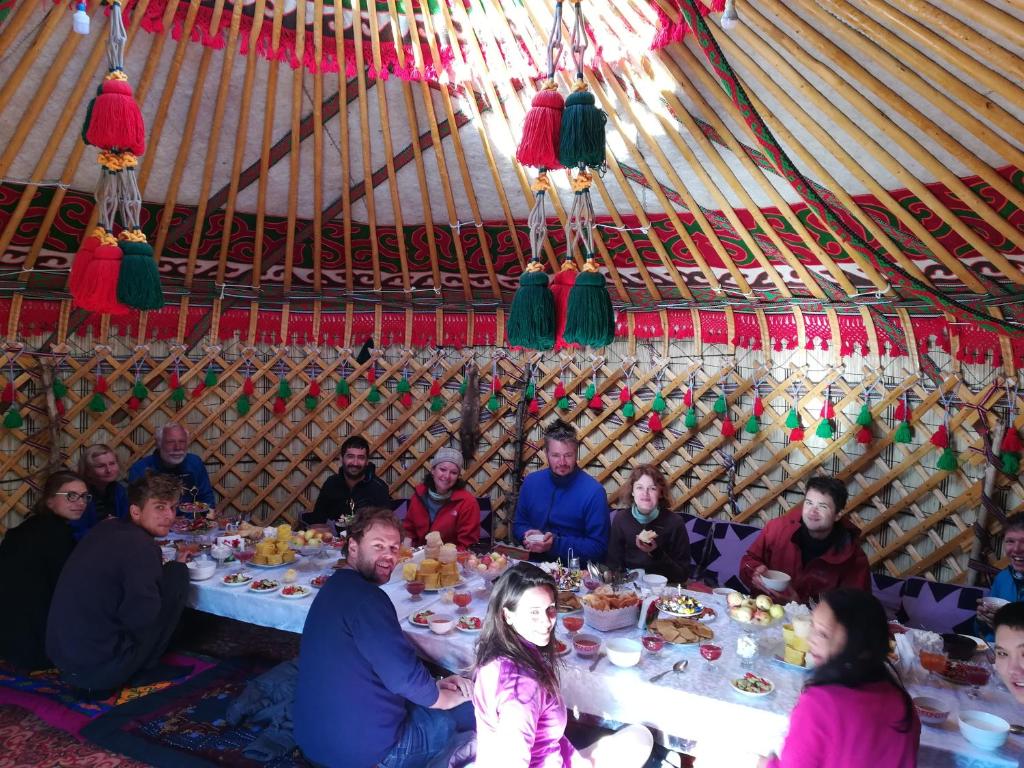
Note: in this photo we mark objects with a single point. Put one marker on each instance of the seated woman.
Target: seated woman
(646, 534)
(31, 558)
(99, 467)
(520, 715)
(441, 503)
(853, 710)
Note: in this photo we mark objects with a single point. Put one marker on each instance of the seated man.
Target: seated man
(171, 457)
(818, 551)
(116, 606)
(99, 467)
(1009, 632)
(354, 488)
(1009, 582)
(562, 507)
(363, 697)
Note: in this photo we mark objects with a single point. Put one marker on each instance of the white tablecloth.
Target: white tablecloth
(698, 706)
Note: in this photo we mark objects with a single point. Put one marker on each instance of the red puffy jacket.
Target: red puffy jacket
(458, 520)
(776, 548)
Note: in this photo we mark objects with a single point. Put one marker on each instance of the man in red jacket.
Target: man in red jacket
(819, 552)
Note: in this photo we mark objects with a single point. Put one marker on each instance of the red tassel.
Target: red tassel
(343, 401)
(248, 388)
(534, 407)
(902, 412)
(134, 403)
(758, 407)
(559, 390)
(279, 405)
(198, 390)
(940, 438)
(406, 399)
(60, 407)
(174, 382)
(728, 430)
(777, 346)
(371, 374)
(1011, 441)
(542, 130)
(828, 411)
(624, 396)
(435, 388)
(98, 286)
(8, 394)
(864, 435)
(596, 404)
(796, 435)
(80, 265)
(655, 425)
(101, 385)
(314, 388)
(688, 397)
(115, 120)
(496, 384)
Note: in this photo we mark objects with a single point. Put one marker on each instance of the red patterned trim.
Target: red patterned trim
(852, 331)
(817, 325)
(714, 328)
(748, 331)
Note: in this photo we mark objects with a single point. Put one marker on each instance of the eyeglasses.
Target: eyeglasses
(74, 496)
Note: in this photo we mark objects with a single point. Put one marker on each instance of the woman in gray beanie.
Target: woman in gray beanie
(441, 503)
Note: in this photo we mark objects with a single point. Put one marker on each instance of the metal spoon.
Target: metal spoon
(1017, 729)
(597, 661)
(679, 666)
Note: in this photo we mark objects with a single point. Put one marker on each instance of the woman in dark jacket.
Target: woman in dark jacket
(32, 556)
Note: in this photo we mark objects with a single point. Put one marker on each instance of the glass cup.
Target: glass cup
(462, 598)
(572, 624)
(415, 589)
(711, 654)
(977, 677)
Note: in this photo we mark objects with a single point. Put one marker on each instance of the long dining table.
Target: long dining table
(697, 707)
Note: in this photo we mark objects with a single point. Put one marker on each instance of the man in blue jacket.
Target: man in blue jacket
(562, 508)
(171, 457)
(1009, 582)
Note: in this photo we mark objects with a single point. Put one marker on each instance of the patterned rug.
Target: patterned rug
(27, 742)
(185, 727)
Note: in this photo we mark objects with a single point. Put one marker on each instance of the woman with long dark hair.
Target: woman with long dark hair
(520, 715)
(32, 556)
(853, 711)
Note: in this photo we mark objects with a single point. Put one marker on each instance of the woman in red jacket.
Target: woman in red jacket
(441, 503)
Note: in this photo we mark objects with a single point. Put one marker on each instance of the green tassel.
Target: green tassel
(97, 404)
(659, 405)
(403, 386)
(341, 388)
(437, 403)
(12, 419)
(864, 418)
(628, 410)
(242, 405)
(691, 418)
(138, 280)
(1011, 463)
(310, 402)
(284, 389)
(590, 391)
(947, 461)
(531, 391)
(563, 403)
(462, 388)
(139, 390)
(902, 433)
(210, 380)
(793, 419)
(824, 429)
(589, 317)
(374, 396)
(531, 318)
(753, 425)
(178, 395)
(720, 404)
(493, 403)
(60, 389)
(582, 136)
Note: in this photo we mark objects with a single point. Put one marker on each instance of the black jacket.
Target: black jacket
(337, 499)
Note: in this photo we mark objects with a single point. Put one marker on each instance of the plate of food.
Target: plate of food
(561, 648)
(237, 579)
(254, 564)
(681, 631)
(295, 591)
(469, 624)
(752, 685)
(756, 613)
(189, 525)
(790, 664)
(681, 605)
(421, 618)
(265, 585)
(709, 614)
(319, 581)
(567, 602)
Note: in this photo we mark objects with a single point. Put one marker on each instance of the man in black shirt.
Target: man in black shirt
(354, 488)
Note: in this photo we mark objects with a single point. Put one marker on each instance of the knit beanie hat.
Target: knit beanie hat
(447, 454)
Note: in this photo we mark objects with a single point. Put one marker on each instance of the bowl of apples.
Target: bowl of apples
(754, 612)
(489, 566)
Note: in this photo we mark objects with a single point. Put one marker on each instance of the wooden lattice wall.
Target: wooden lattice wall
(916, 519)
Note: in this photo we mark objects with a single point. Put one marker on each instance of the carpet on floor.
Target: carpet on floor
(185, 727)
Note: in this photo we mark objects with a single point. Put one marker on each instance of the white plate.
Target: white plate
(689, 615)
(461, 583)
(751, 693)
(248, 579)
(269, 591)
(467, 629)
(306, 592)
(785, 663)
(422, 626)
(279, 565)
(981, 644)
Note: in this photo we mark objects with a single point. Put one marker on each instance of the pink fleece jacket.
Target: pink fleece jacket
(841, 727)
(519, 723)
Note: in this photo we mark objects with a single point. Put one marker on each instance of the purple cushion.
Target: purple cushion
(889, 591)
(726, 547)
(698, 531)
(939, 607)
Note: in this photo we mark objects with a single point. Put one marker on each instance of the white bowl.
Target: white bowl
(776, 581)
(993, 603)
(983, 730)
(200, 570)
(441, 624)
(623, 652)
(722, 591)
(535, 538)
(931, 711)
(655, 582)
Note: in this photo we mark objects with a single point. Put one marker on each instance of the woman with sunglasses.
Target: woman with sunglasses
(32, 556)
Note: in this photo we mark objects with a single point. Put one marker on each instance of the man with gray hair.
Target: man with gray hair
(171, 457)
(562, 508)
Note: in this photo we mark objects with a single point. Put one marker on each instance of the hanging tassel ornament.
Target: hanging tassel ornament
(284, 391)
(793, 424)
(582, 138)
(561, 397)
(589, 316)
(721, 406)
(174, 384)
(753, 425)
(626, 407)
(494, 402)
(371, 376)
(940, 438)
(542, 128)
(98, 403)
(828, 413)
(342, 392)
(12, 418)
(690, 421)
(654, 422)
(947, 461)
(60, 391)
(436, 399)
(533, 406)
(728, 430)
(864, 417)
(312, 398)
(244, 402)
(531, 317)
(139, 390)
(209, 380)
(1010, 447)
(594, 401)
(903, 415)
(864, 435)
(404, 390)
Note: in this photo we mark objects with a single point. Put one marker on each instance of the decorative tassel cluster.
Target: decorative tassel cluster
(98, 403)
(793, 424)
(404, 390)
(244, 403)
(342, 393)
(542, 129)
(658, 407)
(1010, 450)
(561, 397)
(594, 401)
(864, 421)
(312, 398)
(60, 391)
(284, 391)
(494, 402)
(209, 380)
(371, 376)
(436, 400)
(627, 409)
(753, 425)
(533, 406)
(139, 393)
(9, 399)
(174, 384)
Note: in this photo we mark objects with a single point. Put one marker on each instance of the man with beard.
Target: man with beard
(354, 488)
(171, 457)
(363, 697)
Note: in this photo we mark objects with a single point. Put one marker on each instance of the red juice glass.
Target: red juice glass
(711, 654)
(415, 589)
(462, 598)
(572, 624)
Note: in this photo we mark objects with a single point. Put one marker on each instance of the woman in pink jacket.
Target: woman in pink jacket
(853, 712)
(520, 715)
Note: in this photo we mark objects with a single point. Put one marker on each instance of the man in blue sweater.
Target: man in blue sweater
(562, 508)
(171, 457)
(363, 698)
(1009, 582)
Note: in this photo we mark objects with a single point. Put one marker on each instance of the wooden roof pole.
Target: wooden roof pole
(346, 164)
(988, 15)
(837, 60)
(241, 138)
(20, 15)
(911, 66)
(298, 76)
(940, 252)
(54, 18)
(318, 156)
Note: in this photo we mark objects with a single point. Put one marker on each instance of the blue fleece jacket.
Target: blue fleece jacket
(192, 472)
(573, 508)
(1007, 588)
